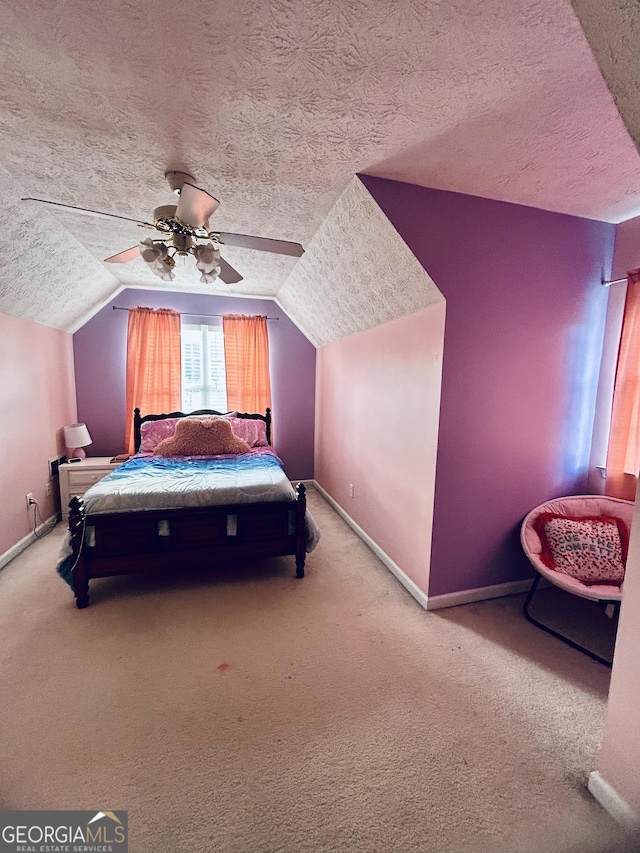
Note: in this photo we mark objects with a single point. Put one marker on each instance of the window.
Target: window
(204, 382)
(623, 454)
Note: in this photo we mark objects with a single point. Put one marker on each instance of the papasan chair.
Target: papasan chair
(579, 544)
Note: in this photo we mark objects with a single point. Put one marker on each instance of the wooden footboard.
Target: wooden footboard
(131, 542)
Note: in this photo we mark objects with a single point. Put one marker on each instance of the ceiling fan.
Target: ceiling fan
(184, 230)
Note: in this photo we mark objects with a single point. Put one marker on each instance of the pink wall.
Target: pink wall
(620, 759)
(38, 399)
(619, 763)
(377, 405)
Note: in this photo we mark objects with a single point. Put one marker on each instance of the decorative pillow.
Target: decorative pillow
(201, 436)
(153, 432)
(251, 430)
(589, 548)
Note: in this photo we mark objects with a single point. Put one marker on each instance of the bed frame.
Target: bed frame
(157, 540)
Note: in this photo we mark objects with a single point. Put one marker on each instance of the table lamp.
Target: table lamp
(76, 437)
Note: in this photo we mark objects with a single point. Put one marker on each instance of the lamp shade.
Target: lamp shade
(76, 435)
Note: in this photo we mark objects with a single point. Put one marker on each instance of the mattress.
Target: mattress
(170, 482)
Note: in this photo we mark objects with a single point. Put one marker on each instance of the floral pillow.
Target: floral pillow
(251, 430)
(591, 549)
(202, 436)
(153, 432)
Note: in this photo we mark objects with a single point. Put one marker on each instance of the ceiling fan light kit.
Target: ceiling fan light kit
(182, 226)
(195, 206)
(156, 256)
(207, 262)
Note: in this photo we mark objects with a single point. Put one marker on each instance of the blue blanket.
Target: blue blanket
(157, 478)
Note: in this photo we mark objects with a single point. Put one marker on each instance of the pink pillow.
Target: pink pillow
(251, 430)
(153, 432)
(201, 436)
(589, 549)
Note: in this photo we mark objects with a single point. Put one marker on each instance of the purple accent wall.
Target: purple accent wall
(100, 361)
(523, 335)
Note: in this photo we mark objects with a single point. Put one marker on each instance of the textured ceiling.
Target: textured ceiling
(613, 30)
(357, 253)
(274, 107)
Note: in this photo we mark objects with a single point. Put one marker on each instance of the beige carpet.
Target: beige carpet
(249, 711)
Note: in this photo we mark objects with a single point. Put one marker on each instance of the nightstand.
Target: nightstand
(76, 477)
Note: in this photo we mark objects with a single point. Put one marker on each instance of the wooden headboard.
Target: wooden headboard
(138, 420)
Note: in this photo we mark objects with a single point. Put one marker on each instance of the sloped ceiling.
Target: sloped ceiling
(274, 107)
(358, 254)
(613, 31)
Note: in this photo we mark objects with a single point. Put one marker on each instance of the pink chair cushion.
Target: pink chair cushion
(574, 507)
(588, 548)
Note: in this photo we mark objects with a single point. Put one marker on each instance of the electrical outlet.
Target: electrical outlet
(351, 490)
(47, 490)
(30, 499)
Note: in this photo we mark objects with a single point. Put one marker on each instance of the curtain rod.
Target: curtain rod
(190, 314)
(615, 281)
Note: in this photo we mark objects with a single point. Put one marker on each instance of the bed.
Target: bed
(155, 513)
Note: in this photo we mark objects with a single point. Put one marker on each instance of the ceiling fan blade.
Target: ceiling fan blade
(228, 274)
(85, 211)
(195, 206)
(264, 244)
(124, 257)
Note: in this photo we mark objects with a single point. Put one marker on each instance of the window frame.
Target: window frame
(212, 389)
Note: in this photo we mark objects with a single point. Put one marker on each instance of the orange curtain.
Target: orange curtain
(153, 364)
(246, 355)
(623, 454)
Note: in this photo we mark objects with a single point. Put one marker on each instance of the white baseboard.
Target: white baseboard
(482, 593)
(20, 546)
(411, 587)
(612, 802)
(434, 602)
